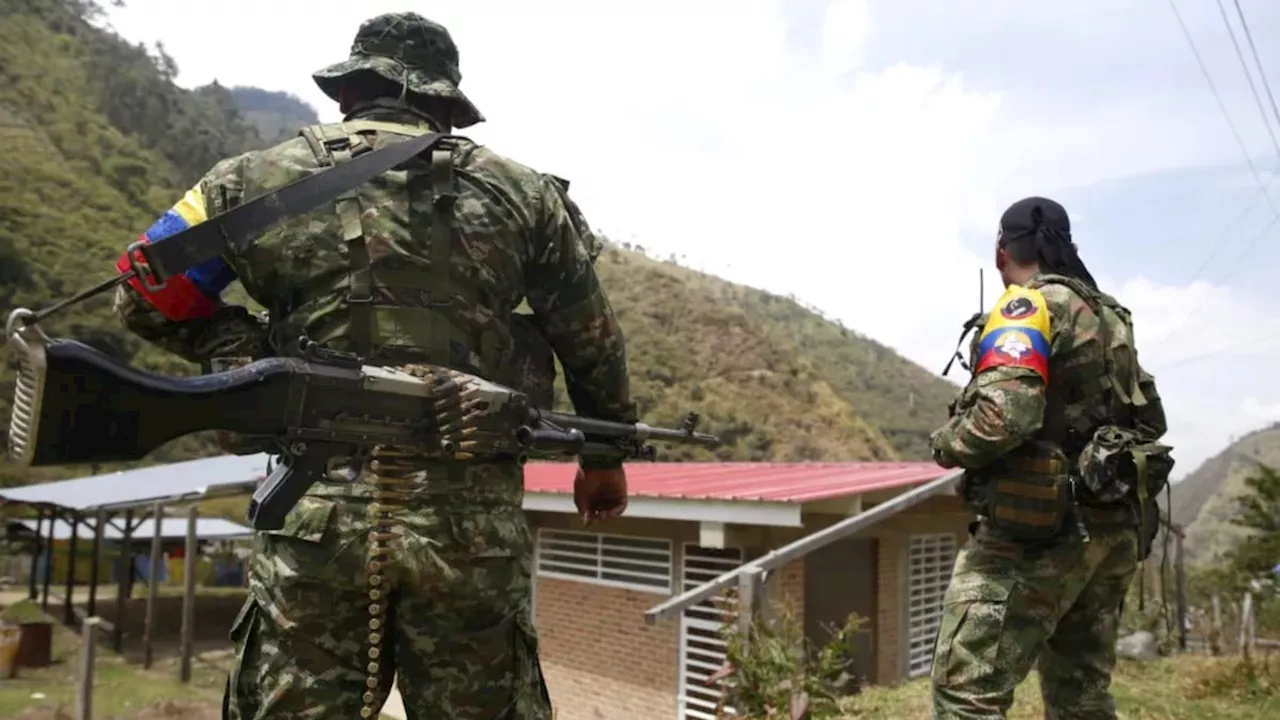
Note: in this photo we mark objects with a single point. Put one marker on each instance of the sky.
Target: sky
(857, 154)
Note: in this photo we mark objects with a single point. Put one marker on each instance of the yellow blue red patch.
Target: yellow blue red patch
(1017, 333)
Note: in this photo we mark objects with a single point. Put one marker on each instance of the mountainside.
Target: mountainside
(1205, 500)
(99, 141)
(277, 116)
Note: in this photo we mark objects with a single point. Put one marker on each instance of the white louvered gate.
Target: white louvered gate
(702, 651)
(930, 559)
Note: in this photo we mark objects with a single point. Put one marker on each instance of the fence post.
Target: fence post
(1180, 587)
(189, 593)
(84, 675)
(1215, 627)
(1246, 619)
(153, 580)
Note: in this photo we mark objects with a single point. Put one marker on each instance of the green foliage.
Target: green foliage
(773, 673)
(99, 141)
(1206, 501)
(1258, 554)
(276, 115)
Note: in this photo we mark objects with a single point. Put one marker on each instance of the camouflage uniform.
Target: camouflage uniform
(1044, 575)
(399, 562)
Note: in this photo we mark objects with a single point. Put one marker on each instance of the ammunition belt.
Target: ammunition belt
(389, 472)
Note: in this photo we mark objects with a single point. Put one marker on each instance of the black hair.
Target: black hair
(368, 86)
(1038, 230)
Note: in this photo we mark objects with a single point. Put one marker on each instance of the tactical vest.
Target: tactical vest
(395, 315)
(1029, 493)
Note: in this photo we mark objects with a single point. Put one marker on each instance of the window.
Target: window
(636, 563)
(930, 559)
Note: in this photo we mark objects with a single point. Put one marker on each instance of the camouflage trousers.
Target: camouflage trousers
(1010, 605)
(430, 583)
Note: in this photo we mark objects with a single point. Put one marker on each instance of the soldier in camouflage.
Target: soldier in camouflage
(1056, 400)
(401, 562)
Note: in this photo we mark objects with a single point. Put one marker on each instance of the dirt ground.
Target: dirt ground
(122, 689)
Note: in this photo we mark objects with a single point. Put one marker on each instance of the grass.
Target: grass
(1186, 687)
(122, 691)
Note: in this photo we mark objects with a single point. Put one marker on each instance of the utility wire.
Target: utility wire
(1263, 186)
(1216, 353)
(1244, 66)
(1217, 97)
(1262, 74)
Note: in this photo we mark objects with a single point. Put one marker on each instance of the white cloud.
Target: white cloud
(694, 128)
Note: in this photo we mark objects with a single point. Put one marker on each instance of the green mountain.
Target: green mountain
(99, 141)
(276, 115)
(1205, 500)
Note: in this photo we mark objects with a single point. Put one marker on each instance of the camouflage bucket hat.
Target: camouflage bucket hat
(409, 49)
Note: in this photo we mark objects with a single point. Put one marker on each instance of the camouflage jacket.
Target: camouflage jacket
(517, 236)
(1039, 350)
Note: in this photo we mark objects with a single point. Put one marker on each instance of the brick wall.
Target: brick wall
(788, 588)
(942, 514)
(600, 659)
(889, 609)
(602, 662)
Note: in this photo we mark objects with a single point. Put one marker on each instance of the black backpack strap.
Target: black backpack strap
(183, 251)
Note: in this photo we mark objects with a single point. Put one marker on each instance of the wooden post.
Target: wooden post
(1215, 628)
(68, 607)
(99, 525)
(1180, 587)
(189, 593)
(33, 591)
(1246, 614)
(153, 579)
(84, 675)
(750, 596)
(124, 569)
(48, 561)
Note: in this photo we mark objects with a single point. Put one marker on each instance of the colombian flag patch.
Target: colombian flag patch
(1017, 333)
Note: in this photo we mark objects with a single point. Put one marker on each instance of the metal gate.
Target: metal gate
(702, 651)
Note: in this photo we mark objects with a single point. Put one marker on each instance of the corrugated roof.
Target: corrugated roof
(772, 482)
(170, 529)
(766, 482)
(174, 482)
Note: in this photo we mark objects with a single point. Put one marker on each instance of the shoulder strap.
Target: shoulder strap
(340, 143)
(154, 263)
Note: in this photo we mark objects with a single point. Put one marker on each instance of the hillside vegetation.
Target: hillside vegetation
(1206, 499)
(99, 141)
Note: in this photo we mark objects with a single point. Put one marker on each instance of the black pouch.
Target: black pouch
(1028, 493)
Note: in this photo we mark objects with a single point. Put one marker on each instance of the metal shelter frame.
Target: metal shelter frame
(123, 501)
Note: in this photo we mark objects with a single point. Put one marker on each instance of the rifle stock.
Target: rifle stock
(75, 404)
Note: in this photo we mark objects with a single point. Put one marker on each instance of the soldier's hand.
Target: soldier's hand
(600, 494)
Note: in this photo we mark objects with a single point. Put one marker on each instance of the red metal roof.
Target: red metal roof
(770, 482)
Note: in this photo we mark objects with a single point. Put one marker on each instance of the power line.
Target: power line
(1262, 74)
(1248, 76)
(1239, 260)
(1216, 353)
(1217, 97)
(1264, 187)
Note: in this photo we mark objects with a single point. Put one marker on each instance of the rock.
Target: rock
(1138, 646)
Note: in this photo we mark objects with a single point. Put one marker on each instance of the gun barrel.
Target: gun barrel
(681, 437)
(641, 432)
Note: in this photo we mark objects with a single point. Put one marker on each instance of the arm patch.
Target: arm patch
(1017, 333)
(196, 293)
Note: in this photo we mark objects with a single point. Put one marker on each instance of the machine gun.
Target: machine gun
(75, 404)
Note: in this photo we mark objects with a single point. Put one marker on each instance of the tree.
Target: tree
(1257, 556)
